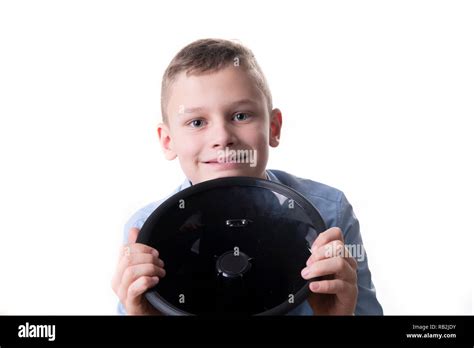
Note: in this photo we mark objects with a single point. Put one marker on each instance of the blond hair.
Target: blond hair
(211, 55)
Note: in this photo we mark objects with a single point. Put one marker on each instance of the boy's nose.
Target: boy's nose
(222, 136)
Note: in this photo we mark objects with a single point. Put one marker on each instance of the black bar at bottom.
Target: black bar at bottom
(412, 330)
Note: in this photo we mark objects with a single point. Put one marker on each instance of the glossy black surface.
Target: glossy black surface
(232, 245)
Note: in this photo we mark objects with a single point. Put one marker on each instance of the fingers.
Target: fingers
(334, 265)
(137, 248)
(132, 247)
(336, 248)
(137, 289)
(334, 286)
(336, 272)
(137, 259)
(332, 249)
(132, 273)
(132, 235)
(134, 254)
(352, 262)
(333, 233)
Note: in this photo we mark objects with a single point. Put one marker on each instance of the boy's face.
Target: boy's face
(213, 116)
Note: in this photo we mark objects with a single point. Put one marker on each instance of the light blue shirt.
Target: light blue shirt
(335, 210)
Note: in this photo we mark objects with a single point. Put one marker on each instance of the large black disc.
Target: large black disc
(233, 245)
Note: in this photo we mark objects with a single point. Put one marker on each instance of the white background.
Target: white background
(377, 98)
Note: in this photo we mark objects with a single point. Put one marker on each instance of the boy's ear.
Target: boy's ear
(275, 127)
(165, 141)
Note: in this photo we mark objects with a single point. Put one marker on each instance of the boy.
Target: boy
(215, 100)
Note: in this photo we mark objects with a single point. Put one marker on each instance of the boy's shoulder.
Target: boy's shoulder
(331, 203)
(308, 187)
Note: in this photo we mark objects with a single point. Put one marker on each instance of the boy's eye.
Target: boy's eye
(196, 123)
(241, 116)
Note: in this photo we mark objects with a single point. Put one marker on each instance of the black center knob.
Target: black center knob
(232, 265)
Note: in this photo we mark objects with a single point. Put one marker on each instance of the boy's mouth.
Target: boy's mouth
(211, 161)
(226, 160)
(233, 158)
(224, 164)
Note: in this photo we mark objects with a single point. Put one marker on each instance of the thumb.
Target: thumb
(132, 235)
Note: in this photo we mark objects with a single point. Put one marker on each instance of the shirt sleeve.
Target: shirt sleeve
(367, 303)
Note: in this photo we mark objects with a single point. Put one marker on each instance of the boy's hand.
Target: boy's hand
(337, 293)
(138, 270)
